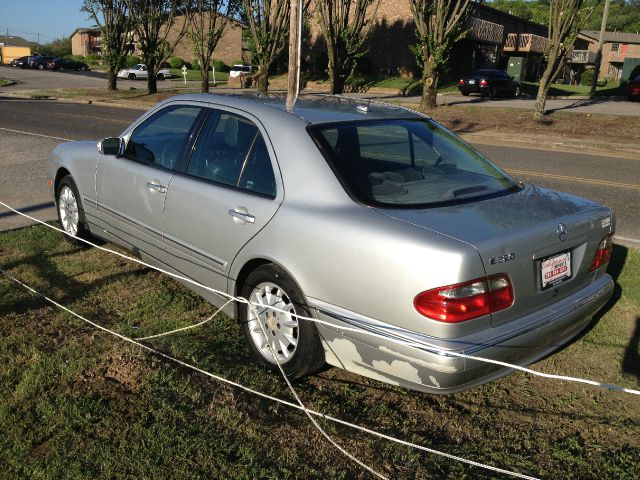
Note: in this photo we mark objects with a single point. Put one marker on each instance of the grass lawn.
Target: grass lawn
(78, 403)
(558, 89)
(195, 75)
(4, 82)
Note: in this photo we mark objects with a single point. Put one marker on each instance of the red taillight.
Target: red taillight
(465, 301)
(603, 253)
(461, 82)
(483, 83)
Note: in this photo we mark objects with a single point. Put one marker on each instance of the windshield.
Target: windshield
(407, 163)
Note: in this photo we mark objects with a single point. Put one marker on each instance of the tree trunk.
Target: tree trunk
(152, 83)
(430, 88)
(543, 91)
(204, 76)
(263, 78)
(112, 82)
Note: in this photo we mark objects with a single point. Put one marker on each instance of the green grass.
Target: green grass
(557, 89)
(78, 403)
(195, 75)
(4, 82)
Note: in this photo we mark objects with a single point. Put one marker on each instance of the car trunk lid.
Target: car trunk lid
(516, 233)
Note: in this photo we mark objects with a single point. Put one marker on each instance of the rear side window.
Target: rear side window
(231, 151)
(162, 138)
(407, 163)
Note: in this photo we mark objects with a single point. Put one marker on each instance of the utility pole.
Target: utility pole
(295, 38)
(596, 70)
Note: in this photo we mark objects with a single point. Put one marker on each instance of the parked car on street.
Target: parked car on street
(237, 70)
(39, 62)
(634, 89)
(370, 217)
(139, 71)
(61, 64)
(491, 82)
(22, 62)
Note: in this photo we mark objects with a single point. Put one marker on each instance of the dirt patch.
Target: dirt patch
(128, 371)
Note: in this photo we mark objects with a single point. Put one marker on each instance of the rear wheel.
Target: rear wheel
(70, 211)
(516, 92)
(160, 76)
(40, 67)
(466, 94)
(493, 92)
(295, 342)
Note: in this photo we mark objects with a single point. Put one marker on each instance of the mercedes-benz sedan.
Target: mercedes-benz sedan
(371, 217)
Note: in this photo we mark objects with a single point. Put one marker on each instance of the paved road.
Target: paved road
(32, 80)
(615, 182)
(36, 80)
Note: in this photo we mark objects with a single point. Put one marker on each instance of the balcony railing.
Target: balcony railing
(525, 42)
(484, 31)
(583, 56)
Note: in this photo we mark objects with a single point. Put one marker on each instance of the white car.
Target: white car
(140, 71)
(238, 70)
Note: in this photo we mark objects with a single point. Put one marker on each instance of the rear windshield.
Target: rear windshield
(407, 163)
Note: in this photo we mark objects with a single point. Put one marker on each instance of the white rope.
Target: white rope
(306, 411)
(407, 342)
(188, 327)
(264, 395)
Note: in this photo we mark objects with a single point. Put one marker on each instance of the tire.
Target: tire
(466, 94)
(132, 76)
(160, 76)
(516, 92)
(493, 92)
(70, 211)
(299, 351)
(40, 66)
(61, 69)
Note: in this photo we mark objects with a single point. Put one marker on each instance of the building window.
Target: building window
(615, 47)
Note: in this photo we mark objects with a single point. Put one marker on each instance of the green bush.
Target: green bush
(93, 59)
(132, 60)
(177, 62)
(195, 64)
(587, 77)
(220, 66)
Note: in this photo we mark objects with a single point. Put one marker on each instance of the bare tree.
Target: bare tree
(343, 24)
(157, 32)
(112, 17)
(439, 25)
(566, 18)
(207, 22)
(269, 24)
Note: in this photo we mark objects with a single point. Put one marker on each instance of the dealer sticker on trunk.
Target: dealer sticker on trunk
(556, 269)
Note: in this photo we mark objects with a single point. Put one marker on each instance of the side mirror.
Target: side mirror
(110, 146)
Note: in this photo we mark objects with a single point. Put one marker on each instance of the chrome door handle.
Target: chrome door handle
(156, 187)
(246, 217)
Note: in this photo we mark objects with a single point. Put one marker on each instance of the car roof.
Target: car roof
(310, 108)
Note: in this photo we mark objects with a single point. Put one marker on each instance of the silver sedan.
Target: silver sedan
(415, 250)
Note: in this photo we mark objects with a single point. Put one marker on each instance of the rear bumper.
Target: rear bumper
(474, 89)
(428, 368)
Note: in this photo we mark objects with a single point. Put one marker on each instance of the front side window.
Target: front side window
(162, 138)
(407, 163)
(231, 151)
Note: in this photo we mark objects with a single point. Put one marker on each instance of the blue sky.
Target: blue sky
(51, 18)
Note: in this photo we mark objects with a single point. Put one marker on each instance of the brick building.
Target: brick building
(620, 53)
(87, 41)
(493, 38)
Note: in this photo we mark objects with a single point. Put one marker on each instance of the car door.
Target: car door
(228, 191)
(131, 189)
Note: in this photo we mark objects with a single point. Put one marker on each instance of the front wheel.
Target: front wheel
(293, 342)
(70, 211)
(516, 92)
(132, 76)
(160, 76)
